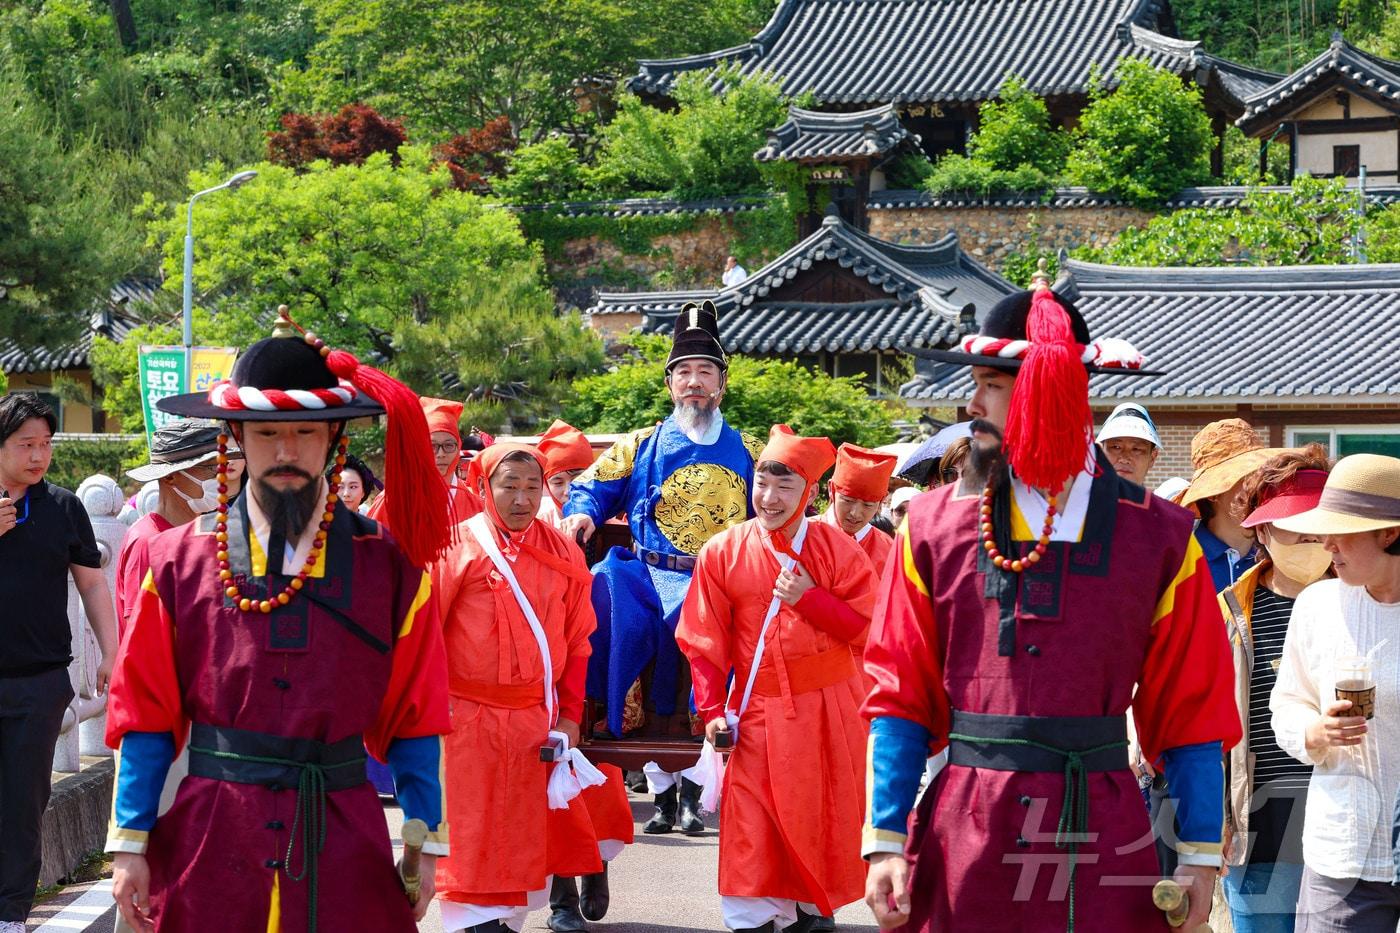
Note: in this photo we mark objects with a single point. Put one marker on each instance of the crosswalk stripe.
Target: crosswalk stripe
(90, 906)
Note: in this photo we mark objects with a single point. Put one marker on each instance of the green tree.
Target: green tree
(1315, 222)
(62, 244)
(702, 149)
(1144, 140)
(761, 393)
(548, 170)
(1014, 148)
(448, 65)
(390, 263)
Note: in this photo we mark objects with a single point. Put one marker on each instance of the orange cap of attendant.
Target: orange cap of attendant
(486, 463)
(564, 448)
(443, 415)
(862, 473)
(808, 457)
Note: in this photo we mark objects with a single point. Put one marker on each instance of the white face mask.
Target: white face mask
(205, 503)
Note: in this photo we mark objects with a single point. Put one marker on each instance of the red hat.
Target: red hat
(1298, 494)
(862, 473)
(443, 415)
(564, 448)
(808, 457)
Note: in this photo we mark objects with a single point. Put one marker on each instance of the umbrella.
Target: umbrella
(917, 466)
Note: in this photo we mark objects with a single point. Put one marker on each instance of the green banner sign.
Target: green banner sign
(162, 372)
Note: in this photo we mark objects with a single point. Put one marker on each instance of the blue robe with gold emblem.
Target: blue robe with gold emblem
(677, 494)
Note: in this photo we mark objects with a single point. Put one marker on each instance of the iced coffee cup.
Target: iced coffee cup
(1356, 683)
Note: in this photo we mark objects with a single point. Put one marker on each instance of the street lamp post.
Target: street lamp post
(237, 181)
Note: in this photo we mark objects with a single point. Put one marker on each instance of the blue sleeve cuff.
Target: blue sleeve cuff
(416, 765)
(897, 753)
(143, 764)
(1196, 776)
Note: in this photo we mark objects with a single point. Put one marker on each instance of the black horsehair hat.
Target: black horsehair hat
(1001, 341)
(696, 336)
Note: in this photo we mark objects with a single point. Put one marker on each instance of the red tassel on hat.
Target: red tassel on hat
(1049, 422)
(417, 498)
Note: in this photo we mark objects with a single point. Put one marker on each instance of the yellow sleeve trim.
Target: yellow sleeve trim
(1189, 563)
(149, 584)
(127, 840)
(910, 571)
(1199, 848)
(425, 592)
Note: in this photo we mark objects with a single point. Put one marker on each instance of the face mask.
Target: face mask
(1302, 563)
(205, 503)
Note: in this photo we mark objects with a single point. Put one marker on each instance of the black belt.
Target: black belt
(680, 562)
(277, 761)
(1072, 745)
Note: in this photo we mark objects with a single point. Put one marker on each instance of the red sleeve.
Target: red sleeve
(703, 633)
(415, 703)
(578, 627)
(901, 655)
(834, 616)
(1186, 692)
(132, 565)
(145, 691)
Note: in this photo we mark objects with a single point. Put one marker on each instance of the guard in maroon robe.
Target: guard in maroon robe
(281, 659)
(1022, 613)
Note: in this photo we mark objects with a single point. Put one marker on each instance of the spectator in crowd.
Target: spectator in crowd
(182, 467)
(733, 272)
(45, 537)
(1267, 786)
(1224, 454)
(899, 504)
(1338, 628)
(1130, 440)
(953, 462)
(357, 484)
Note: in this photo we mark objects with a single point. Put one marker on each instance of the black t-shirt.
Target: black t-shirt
(54, 532)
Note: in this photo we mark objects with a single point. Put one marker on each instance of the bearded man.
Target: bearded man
(680, 483)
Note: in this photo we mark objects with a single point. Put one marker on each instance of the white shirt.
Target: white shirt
(734, 276)
(1351, 797)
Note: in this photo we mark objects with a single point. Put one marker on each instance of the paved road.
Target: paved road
(662, 884)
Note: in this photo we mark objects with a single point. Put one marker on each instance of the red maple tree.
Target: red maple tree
(345, 138)
(476, 156)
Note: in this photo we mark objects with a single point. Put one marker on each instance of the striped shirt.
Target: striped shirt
(1280, 788)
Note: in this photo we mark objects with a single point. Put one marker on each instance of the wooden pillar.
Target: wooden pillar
(1217, 154)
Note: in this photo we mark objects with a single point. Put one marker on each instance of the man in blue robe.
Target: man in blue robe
(679, 483)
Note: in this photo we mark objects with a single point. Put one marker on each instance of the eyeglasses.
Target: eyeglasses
(446, 447)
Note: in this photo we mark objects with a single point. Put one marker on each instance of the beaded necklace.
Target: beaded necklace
(989, 538)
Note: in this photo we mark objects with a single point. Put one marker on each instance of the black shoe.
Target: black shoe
(637, 782)
(665, 819)
(823, 925)
(807, 923)
(691, 823)
(594, 897)
(491, 926)
(563, 903)
(766, 928)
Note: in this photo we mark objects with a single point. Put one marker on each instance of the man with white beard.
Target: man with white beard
(679, 483)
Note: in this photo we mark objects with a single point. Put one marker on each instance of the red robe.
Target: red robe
(1124, 616)
(374, 666)
(133, 562)
(794, 786)
(507, 839)
(465, 503)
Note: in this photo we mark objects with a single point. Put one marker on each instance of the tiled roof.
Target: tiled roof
(1267, 333)
(1213, 196)
(110, 321)
(1342, 63)
(636, 207)
(813, 136)
(867, 52)
(928, 287)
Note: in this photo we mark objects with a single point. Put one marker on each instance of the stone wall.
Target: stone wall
(993, 232)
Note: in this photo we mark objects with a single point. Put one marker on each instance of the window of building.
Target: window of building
(1346, 161)
(1352, 439)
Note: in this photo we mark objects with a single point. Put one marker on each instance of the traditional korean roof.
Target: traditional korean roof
(1229, 335)
(928, 287)
(1341, 64)
(865, 52)
(112, 321)
(637, 207)
(813, 136)
(1206, 196)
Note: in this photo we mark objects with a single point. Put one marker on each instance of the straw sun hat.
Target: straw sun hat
(1362, 494)
(1223, 453)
